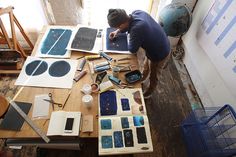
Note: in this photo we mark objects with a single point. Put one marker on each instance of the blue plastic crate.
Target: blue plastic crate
(210, 132)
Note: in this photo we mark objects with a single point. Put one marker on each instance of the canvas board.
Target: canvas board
(39, 72)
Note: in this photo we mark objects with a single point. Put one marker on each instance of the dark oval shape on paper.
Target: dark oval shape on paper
(36, 67)
(59, 68)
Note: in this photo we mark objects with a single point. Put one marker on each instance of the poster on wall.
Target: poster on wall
(54, 42)
(216, 35)
(57, 73)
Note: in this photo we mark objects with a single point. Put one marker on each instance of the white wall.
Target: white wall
(29, 14)
(206, 78)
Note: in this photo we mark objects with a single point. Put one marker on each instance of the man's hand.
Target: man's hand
(113, 34)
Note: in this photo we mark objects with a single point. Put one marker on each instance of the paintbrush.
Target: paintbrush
(66, 99)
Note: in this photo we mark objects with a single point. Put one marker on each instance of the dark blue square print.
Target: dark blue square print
(105, 124)
(107, 142)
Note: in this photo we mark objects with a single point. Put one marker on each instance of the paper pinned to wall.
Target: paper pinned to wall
(216, 39)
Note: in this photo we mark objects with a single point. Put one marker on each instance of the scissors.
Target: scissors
(52, 101)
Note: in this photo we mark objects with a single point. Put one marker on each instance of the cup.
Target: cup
(87, 101)
(86, 89)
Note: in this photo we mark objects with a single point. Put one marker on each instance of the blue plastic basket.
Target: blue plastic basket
(210, 132)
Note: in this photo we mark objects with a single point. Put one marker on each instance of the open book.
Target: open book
(123, 123)
(64, 123)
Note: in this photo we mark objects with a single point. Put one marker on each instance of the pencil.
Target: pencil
(66, 100)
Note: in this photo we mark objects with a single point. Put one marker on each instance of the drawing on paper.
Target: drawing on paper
(120, 43)
(138, 120)
(107, 142)
(118, 139)
(57, 73)
(36, 67)
(54, 43)
(84, 39)
(59, 69)
(105, 124)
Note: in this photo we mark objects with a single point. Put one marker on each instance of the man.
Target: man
(146, 33)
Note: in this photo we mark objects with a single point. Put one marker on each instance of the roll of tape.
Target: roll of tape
(87, 100)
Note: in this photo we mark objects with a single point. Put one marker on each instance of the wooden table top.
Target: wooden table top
(74, 103)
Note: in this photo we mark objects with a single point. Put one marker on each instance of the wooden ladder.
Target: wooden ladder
(12, 43)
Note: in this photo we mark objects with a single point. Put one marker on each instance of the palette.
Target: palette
(40, 72)
(54, 42)
(123, 123)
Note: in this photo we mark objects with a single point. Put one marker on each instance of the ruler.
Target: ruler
(28, 120)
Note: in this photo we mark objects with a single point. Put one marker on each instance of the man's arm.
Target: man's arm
(135, 40)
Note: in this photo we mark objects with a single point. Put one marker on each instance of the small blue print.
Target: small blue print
(106, 141)
(125, 104)
(105, 124)
(118, 140)
(124, 122)
(138, 120)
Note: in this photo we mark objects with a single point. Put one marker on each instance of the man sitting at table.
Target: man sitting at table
(144, 33)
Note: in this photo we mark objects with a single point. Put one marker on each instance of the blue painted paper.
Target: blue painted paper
(120, 43)
(124, 122)
(118, 139)
(106, 124)
(125, 104)
(138, 120)
(107, 142)
(108, 104)
(56, 42)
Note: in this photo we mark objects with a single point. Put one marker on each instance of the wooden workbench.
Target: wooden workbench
(74, 103)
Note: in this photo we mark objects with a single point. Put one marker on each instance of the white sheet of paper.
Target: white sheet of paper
(41, 107)
(45, 79)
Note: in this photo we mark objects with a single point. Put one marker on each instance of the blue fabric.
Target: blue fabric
(145, 32)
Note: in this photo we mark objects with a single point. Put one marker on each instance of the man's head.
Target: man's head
(117, 18)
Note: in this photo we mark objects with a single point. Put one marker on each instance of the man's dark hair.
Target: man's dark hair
(116, 17)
